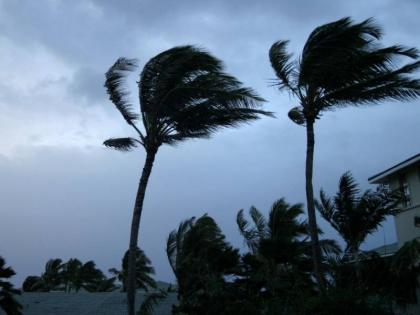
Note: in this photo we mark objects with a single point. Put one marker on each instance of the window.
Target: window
(405, 189)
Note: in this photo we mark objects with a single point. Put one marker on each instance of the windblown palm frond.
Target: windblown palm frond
(249, 234)
(151, 300)
(116, 87)
(283, 66)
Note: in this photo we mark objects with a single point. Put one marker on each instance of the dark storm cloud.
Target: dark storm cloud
(60, 189)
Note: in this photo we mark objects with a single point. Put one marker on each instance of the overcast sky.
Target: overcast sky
(62, 194)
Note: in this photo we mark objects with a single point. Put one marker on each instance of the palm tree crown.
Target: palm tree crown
(353, 215)
(183, 94)
(341, 65)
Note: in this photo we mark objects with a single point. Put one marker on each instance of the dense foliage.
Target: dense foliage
(275, 275)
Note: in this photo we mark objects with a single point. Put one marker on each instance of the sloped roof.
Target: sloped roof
(85, 303)
(386, 250)
(376, 179)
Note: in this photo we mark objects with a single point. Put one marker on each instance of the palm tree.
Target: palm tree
(281, 246)
(7, 302)
(77, 275)
(354, 215)
(71, 275)
(183, 94)
(144, 272)
(201, 260)
(51, 279)
(341, 65)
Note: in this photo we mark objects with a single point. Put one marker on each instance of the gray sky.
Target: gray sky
(62, 194)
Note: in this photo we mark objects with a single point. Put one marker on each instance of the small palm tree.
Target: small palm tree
(341, 65)
(201, 260)
(354, 215)
(51, 278)
(71, 275)
(183, 94)
(7, 302)
(144, 272)
(281, 243)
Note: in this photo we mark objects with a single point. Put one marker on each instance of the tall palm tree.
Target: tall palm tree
(354, 215)
(144, 272)
(183, 94)
(7, 302)
(342, 64)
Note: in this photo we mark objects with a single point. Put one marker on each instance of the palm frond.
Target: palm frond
(116, 89)
(259, 221)
(174, 243)
(330, 247)
(150, 302)
(331, 47)
(283, 66)
(250, 235)
(121, 144)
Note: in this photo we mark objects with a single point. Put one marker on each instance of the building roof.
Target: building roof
(386, 250)
(85, 303)
(376, 179)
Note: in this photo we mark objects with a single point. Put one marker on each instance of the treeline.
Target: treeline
(73, 275)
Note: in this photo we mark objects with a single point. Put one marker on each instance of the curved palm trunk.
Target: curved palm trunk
(135, 224)
(313, 228)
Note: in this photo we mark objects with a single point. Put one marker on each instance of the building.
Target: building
(404, 176)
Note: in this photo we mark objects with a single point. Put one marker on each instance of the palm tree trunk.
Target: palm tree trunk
(313, 228)
(135, 224)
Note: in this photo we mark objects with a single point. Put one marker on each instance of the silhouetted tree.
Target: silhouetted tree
(144, 272)
(278, 268)
(354, 215)
(341, 65)
(201, 260)
(183, 94)
(51, 278)
(7, 301)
